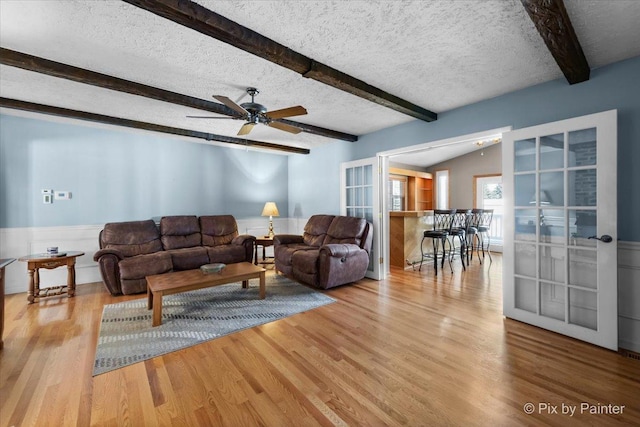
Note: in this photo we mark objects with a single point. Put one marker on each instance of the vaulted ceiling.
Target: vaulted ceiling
(356, 66)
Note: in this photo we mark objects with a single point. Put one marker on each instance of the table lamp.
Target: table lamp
(270, 209)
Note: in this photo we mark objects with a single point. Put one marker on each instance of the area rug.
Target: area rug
(127, 337)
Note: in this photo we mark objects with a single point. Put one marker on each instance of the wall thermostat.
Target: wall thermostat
(62, 195)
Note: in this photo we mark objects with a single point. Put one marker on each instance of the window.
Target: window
(397, 193)
(442, 189)
(489, 196)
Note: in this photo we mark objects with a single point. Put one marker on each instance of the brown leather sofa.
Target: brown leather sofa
(130, 251)
(333, 251)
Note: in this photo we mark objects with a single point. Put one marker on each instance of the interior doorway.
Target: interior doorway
(487, 191)
(426, 154)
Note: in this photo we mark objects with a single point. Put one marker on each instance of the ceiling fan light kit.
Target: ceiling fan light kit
(253, 113)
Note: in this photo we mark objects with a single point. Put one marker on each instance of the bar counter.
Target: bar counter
(405, 234)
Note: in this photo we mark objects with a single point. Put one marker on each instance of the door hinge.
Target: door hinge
(381, 260)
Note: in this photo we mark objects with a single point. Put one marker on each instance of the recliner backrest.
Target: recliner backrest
(315, 231)
(132, 237)
(218, 229)
(180, 231)
(346, 229)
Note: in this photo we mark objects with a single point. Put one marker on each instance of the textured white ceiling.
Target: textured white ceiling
(437, 54)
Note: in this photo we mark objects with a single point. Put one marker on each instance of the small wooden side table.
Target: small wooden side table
(3, 263)
(264, 242)
(38, 261)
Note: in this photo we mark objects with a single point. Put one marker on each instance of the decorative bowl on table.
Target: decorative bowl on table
(212, 268)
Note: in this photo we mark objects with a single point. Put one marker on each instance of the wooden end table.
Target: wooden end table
(264, 242)
(159, 285)
(38, 261)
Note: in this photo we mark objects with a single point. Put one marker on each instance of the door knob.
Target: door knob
(604, 238)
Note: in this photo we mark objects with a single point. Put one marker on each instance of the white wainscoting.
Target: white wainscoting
(629, 295)
(17, 242)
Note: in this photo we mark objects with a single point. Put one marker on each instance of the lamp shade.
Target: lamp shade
(270, 209)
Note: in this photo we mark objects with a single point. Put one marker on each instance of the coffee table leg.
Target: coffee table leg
(149, 299)
(157, 309)
(262, 285)
(245, 284)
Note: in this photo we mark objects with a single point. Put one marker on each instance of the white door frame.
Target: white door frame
(384, 166)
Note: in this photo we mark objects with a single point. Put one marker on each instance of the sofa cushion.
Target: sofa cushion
(226, 254)
(218, 230)
(315, 230)
(284, 253)
(138, 267)
(188, 258)
(346, 229)
(131, 238)
(180, 231)
(306, 261)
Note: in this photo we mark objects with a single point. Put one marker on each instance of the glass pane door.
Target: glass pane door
(359, 181)
(561, 181)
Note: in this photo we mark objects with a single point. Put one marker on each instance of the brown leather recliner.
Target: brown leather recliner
(333, 251)
(130, 251)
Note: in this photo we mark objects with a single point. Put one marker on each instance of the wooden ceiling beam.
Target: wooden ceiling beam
(81, 75)
(117, 121)
(552, 22)
(205, 21)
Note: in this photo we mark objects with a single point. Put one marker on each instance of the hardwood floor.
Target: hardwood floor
(412, 350)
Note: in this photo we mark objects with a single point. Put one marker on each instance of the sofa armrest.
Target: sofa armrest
(341, 263)
(243, 239)
(108, 260)
(286, 239)
(340, 250)
(247, 241)
(103, 252)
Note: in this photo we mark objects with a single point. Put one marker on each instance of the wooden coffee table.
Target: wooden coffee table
(189, 280)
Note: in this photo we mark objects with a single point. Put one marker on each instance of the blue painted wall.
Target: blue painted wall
(120, 175)
(616, 86)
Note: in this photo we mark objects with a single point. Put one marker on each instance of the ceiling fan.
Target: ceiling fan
(253, 113)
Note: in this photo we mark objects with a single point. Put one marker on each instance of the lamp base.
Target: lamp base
(271, 234)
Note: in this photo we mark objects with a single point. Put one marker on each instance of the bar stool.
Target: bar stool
(442, 224)
(472, 231)
(484, 228)
(461, 223)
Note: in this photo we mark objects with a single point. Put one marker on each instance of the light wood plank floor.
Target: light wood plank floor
(412, 350)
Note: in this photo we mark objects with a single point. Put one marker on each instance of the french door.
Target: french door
(359, 197)
(560, 250)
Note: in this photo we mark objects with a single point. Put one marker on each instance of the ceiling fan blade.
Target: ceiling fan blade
(298, 110)
(210, 117)
(229, 103)
(285, 127)
(246, 128)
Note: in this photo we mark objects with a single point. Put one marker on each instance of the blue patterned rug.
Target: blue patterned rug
(127, 337)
